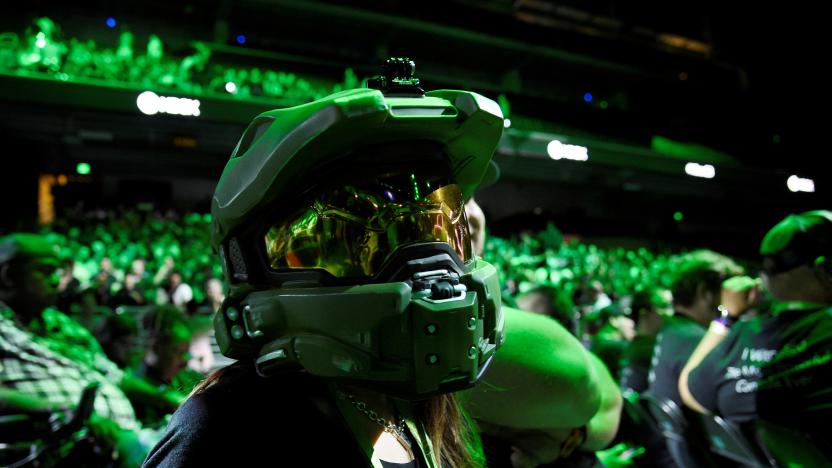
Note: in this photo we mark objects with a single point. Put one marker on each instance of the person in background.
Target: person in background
(201, 350)
(68, 286)
(119, 337)
(168, 340)
(175, 291)
(696, 289)
(552, 302)
(564, 402)
(44, 355)
(213, 297)
(645, 308)
(774, 365)
(131, 293)
(609, 332)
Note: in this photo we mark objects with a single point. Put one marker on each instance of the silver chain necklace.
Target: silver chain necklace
(389, 426)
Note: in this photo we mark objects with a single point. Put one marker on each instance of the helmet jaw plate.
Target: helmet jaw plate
(393, 336)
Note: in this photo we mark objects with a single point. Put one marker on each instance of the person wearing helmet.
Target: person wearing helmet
(356, 306)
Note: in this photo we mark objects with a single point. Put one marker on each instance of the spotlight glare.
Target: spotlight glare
(558, 150)
(800, 184)
(706, 171)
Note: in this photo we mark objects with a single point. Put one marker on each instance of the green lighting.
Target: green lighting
(43, 52)
(604, 104)
(678, 216)
(415, 187)
(83, 168)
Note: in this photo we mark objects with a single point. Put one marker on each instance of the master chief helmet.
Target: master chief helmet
(342, 232)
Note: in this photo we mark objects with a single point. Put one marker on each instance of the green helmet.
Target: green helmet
(342, 233)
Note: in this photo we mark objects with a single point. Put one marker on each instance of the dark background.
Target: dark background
(745, 80)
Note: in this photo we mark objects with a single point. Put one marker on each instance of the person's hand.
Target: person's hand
(739, 294)
(126, 444)
(619, 456)
(105, 430)
(173, 399)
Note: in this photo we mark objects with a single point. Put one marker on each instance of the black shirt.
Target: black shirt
(677, 339)
(796, 386)
(248, 420)
(635, 363)
(727, 380)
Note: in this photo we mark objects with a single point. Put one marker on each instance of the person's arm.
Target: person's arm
(715, 335)
(603, 426)
(139, 390)
(12, 400)
(738, 295)
(164, 271)
(541, 378)
(105, 431)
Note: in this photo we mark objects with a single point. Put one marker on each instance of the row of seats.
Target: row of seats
(692, 440)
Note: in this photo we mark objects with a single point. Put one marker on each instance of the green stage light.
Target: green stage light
(83, 168)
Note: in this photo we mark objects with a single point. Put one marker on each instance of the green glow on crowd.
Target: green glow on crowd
(44, 51)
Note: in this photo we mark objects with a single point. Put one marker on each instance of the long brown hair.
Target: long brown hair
(453, 433)
(455, 438)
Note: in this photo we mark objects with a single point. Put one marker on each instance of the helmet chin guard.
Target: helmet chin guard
(432, 327)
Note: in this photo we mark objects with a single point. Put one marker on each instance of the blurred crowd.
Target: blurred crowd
(43, 50)
(134, 293)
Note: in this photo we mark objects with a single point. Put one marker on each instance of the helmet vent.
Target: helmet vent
(238, 265)
(253, 133)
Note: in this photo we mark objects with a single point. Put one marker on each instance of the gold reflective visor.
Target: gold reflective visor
(352, 231)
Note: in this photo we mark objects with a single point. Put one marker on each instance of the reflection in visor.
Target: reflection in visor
(351, 231)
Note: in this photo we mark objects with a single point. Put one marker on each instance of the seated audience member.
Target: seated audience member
(563, 398)
(87, 311)
(213, 297)
(635, 362)
(696, 291)
(131, 293)
(202, 353)
(168, 341)
(776, 365)
(118, 335)
(68, 285)
(104, 281)
(50, 364)
(610, 332)
(175, 291)
(552, 302)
